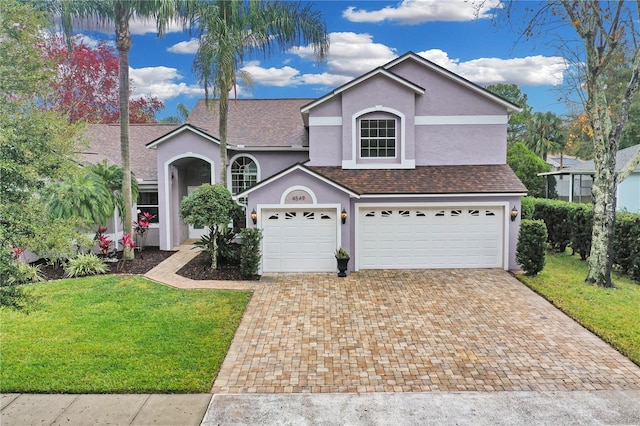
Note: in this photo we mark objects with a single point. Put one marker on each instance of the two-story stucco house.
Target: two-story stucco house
(404, 167)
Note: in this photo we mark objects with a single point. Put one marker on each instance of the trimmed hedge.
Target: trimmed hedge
(569, 225)
(532, 246)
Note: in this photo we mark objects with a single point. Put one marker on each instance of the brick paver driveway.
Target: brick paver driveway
(399, 331)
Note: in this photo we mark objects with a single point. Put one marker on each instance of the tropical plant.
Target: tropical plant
(341, 254)
(112, 176)
(119, 13)
(211, 206)
(232, 29)
(544, 134)
(84, 265)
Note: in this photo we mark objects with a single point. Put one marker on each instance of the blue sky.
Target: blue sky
(364, 35)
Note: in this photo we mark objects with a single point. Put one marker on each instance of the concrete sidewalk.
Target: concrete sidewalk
(63, 409)
(370, 409)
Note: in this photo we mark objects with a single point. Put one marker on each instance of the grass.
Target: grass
(111, 334)
(612, 314)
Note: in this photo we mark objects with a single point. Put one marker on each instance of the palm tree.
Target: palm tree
(119, 13)
(231, 29)
(545, 134)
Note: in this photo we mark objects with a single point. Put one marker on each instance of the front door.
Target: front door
(196, 231)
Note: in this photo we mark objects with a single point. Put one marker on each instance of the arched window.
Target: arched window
(244, 174)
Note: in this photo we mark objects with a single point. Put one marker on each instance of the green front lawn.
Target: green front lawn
(612, 314)
(111, 334)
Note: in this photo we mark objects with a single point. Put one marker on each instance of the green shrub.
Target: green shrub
(532, 244)
(626, 245)
(250, 253)
(528, 207)
(555, 215)
(84, 265)
(581, 220)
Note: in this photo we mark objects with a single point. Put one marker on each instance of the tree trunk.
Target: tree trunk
(123, 44)
(224, 160)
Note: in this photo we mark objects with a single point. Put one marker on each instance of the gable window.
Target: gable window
(244, 174)
(377, 138)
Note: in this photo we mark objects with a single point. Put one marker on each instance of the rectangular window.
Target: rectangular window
(148, 202)
(377, 138)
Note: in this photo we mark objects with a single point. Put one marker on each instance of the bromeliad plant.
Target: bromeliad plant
(104, 243)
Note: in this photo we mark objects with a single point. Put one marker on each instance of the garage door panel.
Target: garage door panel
(428, 237)
(299, 240)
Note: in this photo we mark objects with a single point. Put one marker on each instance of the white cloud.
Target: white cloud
(280, 77)
(528, 71)
(185, 47)
(410, 12)
(148, 25)
(351, 54)
(162, 82)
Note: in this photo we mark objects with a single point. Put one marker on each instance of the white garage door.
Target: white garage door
(299, 240)
(454, 237)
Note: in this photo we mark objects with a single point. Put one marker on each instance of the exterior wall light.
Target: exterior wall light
(254, 216)
(514, 213)
(344, 216)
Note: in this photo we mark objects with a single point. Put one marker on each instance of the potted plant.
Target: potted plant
(342, 257)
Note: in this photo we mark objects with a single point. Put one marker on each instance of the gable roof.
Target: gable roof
(255, 122)
(183, 128)
(380, 71)
(588, 167)
(104, 144)
(511, 107)
(464, 179)
(386, 71)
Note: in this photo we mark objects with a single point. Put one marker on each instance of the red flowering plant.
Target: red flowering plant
(141, 226)
(104, 243)
(127, 241)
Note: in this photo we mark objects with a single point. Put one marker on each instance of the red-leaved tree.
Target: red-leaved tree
(87, 87)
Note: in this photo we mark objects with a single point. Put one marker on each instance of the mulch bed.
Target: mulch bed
(199, 268)
(144, 261)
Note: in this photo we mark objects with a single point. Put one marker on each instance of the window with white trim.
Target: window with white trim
(148, 203)
(378, 138)
(244, 174)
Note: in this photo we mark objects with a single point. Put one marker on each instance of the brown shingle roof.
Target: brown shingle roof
(104, 143)
(255, 122)
(480, 179)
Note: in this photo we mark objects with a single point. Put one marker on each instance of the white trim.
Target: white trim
(261, 207)
(289, 190)
(176, 132)
(454, 194)
(325, 121)
(445, 120)
(350, 164)
(167, 189)
(292, 169)
(234, 158)
(505, 219)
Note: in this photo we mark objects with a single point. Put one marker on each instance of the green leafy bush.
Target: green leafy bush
(532, 245)
(626, 245)
(581, 220)
(84, 265)
(528, 207)
(29, 273)
(250, 253)
(555, 214)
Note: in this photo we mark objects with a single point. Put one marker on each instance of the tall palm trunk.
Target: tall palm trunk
(123, 44)
(224, 158)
